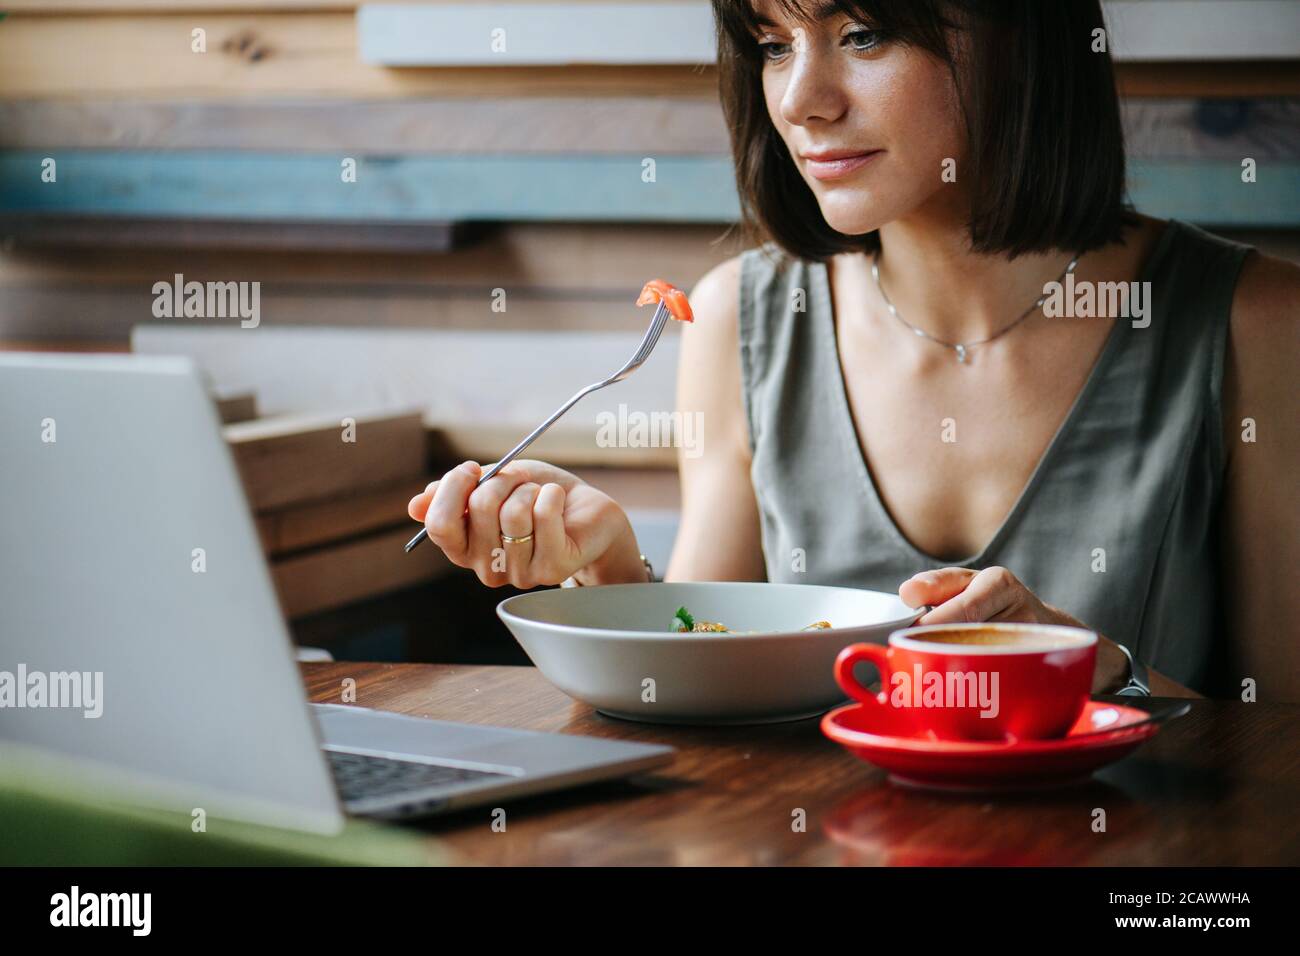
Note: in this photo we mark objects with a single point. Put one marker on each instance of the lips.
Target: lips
(835, 163)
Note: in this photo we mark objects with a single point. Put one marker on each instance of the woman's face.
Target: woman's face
(837, 86)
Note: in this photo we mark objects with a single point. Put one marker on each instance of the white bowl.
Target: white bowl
(611, 647)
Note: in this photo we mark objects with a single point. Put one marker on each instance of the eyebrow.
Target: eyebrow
(823, 10)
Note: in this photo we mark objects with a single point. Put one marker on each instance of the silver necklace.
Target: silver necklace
(963, 348)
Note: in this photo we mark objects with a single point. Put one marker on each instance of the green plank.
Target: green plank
(279, 186)
(410, 188)
(1214, 194)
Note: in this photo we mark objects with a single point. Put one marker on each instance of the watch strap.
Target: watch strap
(1138, 683)
(572, 582)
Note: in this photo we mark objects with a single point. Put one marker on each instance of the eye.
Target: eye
(864, 40)
(773, 51)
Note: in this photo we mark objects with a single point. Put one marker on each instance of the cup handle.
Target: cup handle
(854, 654)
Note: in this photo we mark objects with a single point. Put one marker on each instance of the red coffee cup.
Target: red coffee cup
(989, 681)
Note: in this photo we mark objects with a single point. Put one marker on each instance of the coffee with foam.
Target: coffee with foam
(1008, 639)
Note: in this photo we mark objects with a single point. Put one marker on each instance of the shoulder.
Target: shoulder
(723, 303)
(748, 278)
(727, 293)
(715, 300)
(1263, 340)
(1264, 324)
(1266, 301)
(710, 372)
(719, 289)
(748, 271)
(737, 298)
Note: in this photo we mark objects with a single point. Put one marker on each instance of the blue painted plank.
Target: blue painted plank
(1214, 194)
(262, 186)
(415, 188)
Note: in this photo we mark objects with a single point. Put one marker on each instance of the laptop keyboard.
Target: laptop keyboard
(359, 776)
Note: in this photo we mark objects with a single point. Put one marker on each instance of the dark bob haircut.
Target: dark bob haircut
(1046, 146)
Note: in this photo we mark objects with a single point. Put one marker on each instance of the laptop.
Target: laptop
(140, 634)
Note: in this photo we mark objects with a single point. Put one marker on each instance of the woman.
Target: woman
(888, 400)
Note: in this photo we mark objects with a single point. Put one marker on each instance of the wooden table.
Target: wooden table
(1217, 787)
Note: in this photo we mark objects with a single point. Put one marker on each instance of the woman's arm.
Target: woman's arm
(1259, 520)
(719, 536)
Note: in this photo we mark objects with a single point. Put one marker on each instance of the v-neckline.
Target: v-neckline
(844, 412)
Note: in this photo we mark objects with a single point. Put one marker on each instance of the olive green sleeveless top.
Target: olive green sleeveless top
(1116, 526)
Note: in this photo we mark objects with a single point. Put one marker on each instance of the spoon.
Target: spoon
(1111, 716)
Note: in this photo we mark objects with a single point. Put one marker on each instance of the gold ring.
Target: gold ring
(507, 539)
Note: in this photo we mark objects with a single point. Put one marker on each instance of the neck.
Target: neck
(938, 284)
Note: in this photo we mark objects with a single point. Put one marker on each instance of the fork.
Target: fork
(657, 323)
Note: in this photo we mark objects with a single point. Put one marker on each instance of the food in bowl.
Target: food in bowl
(600, 645)
(684, 622)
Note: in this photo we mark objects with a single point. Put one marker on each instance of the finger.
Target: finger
(550, 540)
(485, 503)
(531, 469)
(517, 521)
(445, 519)
(990, 592)
(419, 505)
(934, 587)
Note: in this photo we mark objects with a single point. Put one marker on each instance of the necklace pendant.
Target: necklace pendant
(961, 353)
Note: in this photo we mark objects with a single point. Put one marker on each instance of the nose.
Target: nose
(813, 90)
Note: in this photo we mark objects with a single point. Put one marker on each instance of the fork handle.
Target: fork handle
(513, 453)
(537, 432)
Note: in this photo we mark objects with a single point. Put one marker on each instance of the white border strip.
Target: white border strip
(556, 34)
(532, 34)
(1164, 30)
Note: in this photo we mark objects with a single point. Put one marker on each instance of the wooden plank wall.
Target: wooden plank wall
(174, 162)
(112, 85)
(553, 276)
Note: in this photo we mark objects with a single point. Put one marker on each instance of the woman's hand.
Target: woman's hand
(961, 596)
(576, 529)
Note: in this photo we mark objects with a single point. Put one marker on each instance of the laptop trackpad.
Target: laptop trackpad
(397, 735)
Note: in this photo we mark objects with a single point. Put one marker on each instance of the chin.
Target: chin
(853, 212)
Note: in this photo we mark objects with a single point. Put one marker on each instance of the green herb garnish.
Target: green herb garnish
(682, 620)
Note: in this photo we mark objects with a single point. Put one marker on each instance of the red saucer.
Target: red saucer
(915, 760)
